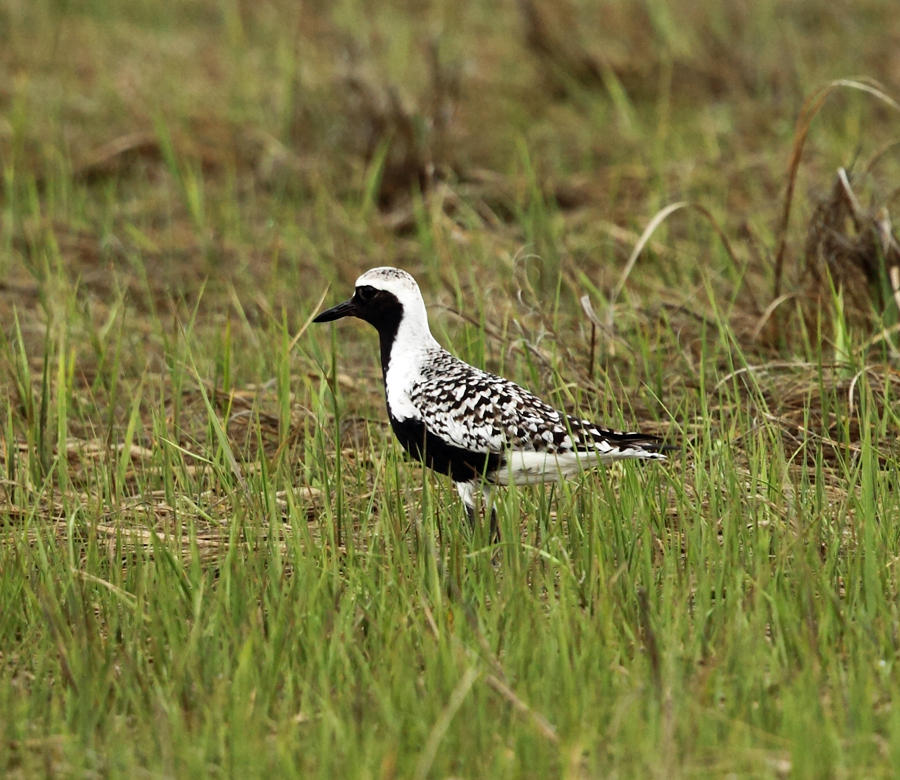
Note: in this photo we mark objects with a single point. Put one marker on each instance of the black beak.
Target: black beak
(345, 309)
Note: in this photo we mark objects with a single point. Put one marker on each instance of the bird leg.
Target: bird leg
(466, 492)
(487, 494)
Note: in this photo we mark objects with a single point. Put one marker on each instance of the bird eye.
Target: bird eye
(365, 293)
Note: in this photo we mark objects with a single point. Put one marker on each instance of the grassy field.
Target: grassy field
(214, 559)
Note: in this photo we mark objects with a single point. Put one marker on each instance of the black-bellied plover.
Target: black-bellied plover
(478, 428)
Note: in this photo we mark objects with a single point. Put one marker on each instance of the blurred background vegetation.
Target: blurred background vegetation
(227, 140)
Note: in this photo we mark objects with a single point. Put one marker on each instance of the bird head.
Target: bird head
(383, 297)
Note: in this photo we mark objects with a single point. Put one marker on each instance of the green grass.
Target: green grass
(214, 559)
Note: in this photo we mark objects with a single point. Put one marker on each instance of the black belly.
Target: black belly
(460, 464)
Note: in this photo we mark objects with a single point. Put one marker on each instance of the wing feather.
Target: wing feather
(482, 412)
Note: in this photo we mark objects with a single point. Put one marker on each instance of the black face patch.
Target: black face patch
(382, 310)
(378, 307)
(365, 293)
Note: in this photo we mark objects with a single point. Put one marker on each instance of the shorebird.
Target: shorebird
(480, 429)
